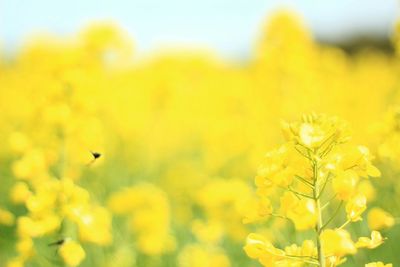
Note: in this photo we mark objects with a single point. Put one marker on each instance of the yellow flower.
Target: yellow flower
(303, 215)
(6, 217)
(310, 135)
(19, 142)
(149, 216)
(27, 227)
(72, 253)
(318, 129)
(32, 164)
(35, 227)
(355, 207)
(16, 262)
(379, 219)
(258, 247)
(275, 170)
(20, 193)
(337, 242)
(197, 255)
(366, 188)
(358, 158)
(252, 215)
(378, 264)
(308, 248)
(25, 247)
(94, 225)
(344, 184)
(371, 243)
(210, 232)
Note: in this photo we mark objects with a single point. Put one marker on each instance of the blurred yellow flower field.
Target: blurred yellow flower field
(290, 158)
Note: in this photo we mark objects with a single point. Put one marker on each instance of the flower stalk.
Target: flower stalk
(318, 210)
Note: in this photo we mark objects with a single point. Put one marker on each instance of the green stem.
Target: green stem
(319, 226)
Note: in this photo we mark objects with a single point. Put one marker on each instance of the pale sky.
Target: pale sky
(228, 27)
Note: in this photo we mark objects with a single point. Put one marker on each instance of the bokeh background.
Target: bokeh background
(182, 99)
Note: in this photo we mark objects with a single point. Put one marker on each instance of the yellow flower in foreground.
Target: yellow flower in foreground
(314, 129)
(379, 219)
(344, 184)
(378, 264)
(72, 253)
(300, 212)
(371, 243)
(337, 242)
(258, 247)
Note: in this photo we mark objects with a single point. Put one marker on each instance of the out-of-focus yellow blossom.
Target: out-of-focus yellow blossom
(378, 264)
(223, 200)
(355, 207)
(210, 232)
(36, 227)
(6, 217)
(123, 256)
(371, 243)
(366, 188)
(25, 248)
(52, 202)
(16, 262)
(379, 219)
(20, 193)
(389, 134)
(198, 256)
(32, 164)
(94, 224)
(149, 214)
(264, 209)
(72, 253)
(19, 142)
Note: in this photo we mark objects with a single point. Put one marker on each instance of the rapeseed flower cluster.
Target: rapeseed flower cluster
(316, 169)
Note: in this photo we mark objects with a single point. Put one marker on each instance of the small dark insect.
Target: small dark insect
(95, 155)
(57, 243)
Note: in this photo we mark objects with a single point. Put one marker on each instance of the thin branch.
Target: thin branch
(304, 181)
(344, 225)
(333, 216)
(323, 187)
(301, 153)
(328, 202)
(300, 194)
